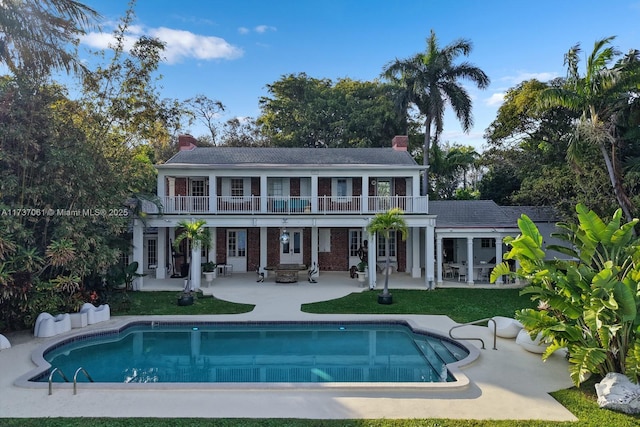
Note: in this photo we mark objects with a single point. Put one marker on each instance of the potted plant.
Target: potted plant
(384, 224)
(209, 270)
(197, 234)
(362, 271)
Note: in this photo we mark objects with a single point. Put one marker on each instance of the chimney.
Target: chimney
(186, 142)
(400, 142)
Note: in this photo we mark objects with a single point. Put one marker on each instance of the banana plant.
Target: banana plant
(589, 302)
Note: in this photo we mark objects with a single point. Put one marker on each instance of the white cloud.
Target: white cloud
(260, 29)
(264, 28)
(495, 99)
(185, 44)
(180, 44)
(523, 75)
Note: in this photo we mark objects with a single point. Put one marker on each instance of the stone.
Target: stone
(618, 393)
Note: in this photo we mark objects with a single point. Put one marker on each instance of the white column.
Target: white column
(213, 193)
(439, 261)
(416, 271)
(138, 252)
(415, 192)
(499, 257)
(264, 191)
(429, 242)
(170, 204)
(314, 250)
(213, 247)
(371, 261)
(161, 187)
(263, 251)
(365, 194)
(470, 260)
(314, 193)
(195, 267)
(161, 267)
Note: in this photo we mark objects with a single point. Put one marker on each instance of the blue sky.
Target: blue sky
(230, 50)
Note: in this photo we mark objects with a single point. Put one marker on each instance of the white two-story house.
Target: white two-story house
(311, 206)
(320, 198)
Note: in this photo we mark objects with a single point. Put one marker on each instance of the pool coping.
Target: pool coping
(461, 382)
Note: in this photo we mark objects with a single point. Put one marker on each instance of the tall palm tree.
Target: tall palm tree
(199, 237)
(600, 95)
(383, 224)
(430, 81)
(35, 34)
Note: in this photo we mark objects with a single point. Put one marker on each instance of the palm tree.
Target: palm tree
(383, 224)
(600, 95)
(430, 80)
(199, 237)
(34, 34)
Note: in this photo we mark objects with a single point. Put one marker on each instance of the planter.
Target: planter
(385, 299)
(185, 299)
(209, 276)
(361, 276)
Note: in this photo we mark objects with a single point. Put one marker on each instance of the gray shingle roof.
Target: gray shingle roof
(485, 213)
(469, 213)
(292, 156)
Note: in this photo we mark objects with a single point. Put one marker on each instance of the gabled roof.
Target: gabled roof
(292, 156)
(485, 213)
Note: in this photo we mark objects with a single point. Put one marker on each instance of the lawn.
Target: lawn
(462, 305)
(157, 303)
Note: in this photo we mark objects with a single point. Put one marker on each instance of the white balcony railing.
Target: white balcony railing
(291, 205)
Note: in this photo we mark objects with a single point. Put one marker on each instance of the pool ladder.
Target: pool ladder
(489, 319)
(64, 377)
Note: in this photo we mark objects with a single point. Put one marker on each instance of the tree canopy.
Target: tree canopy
(429, 81)
(308, 112)
(35, 34)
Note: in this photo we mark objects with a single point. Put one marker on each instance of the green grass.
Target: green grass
(152, 303)
(462, 305)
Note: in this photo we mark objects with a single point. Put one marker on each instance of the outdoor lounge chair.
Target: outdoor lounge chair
(4, 342)
(49, 326)
(533, 346)
(96, 314)
(505, 327)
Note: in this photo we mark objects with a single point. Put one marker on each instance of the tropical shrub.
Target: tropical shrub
(588, 303)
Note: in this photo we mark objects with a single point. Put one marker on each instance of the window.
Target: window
(237, 187)
(392, 245)
(355, 240)
(152, 253)
(197, 187)
(341, 189)
(236, 243)
(488, 243)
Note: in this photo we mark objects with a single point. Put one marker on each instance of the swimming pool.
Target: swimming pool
(369, 352)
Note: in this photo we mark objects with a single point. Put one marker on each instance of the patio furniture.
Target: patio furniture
(4, 342)
(225, 269)
(79, 320)
(49, 326)
(505, 327)
(287, 273)
(96, 314)
(448, 271)
(533, 346)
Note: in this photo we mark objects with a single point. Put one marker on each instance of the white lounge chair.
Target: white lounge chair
(533, 346)
(505, 327)
(4, 342)
(49, 326)
(96, 314)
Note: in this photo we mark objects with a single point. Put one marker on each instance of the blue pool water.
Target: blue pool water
(258, 352)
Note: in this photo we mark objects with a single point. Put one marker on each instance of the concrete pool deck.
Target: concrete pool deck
(508, 383)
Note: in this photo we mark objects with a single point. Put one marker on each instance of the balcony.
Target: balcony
(223, 205)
